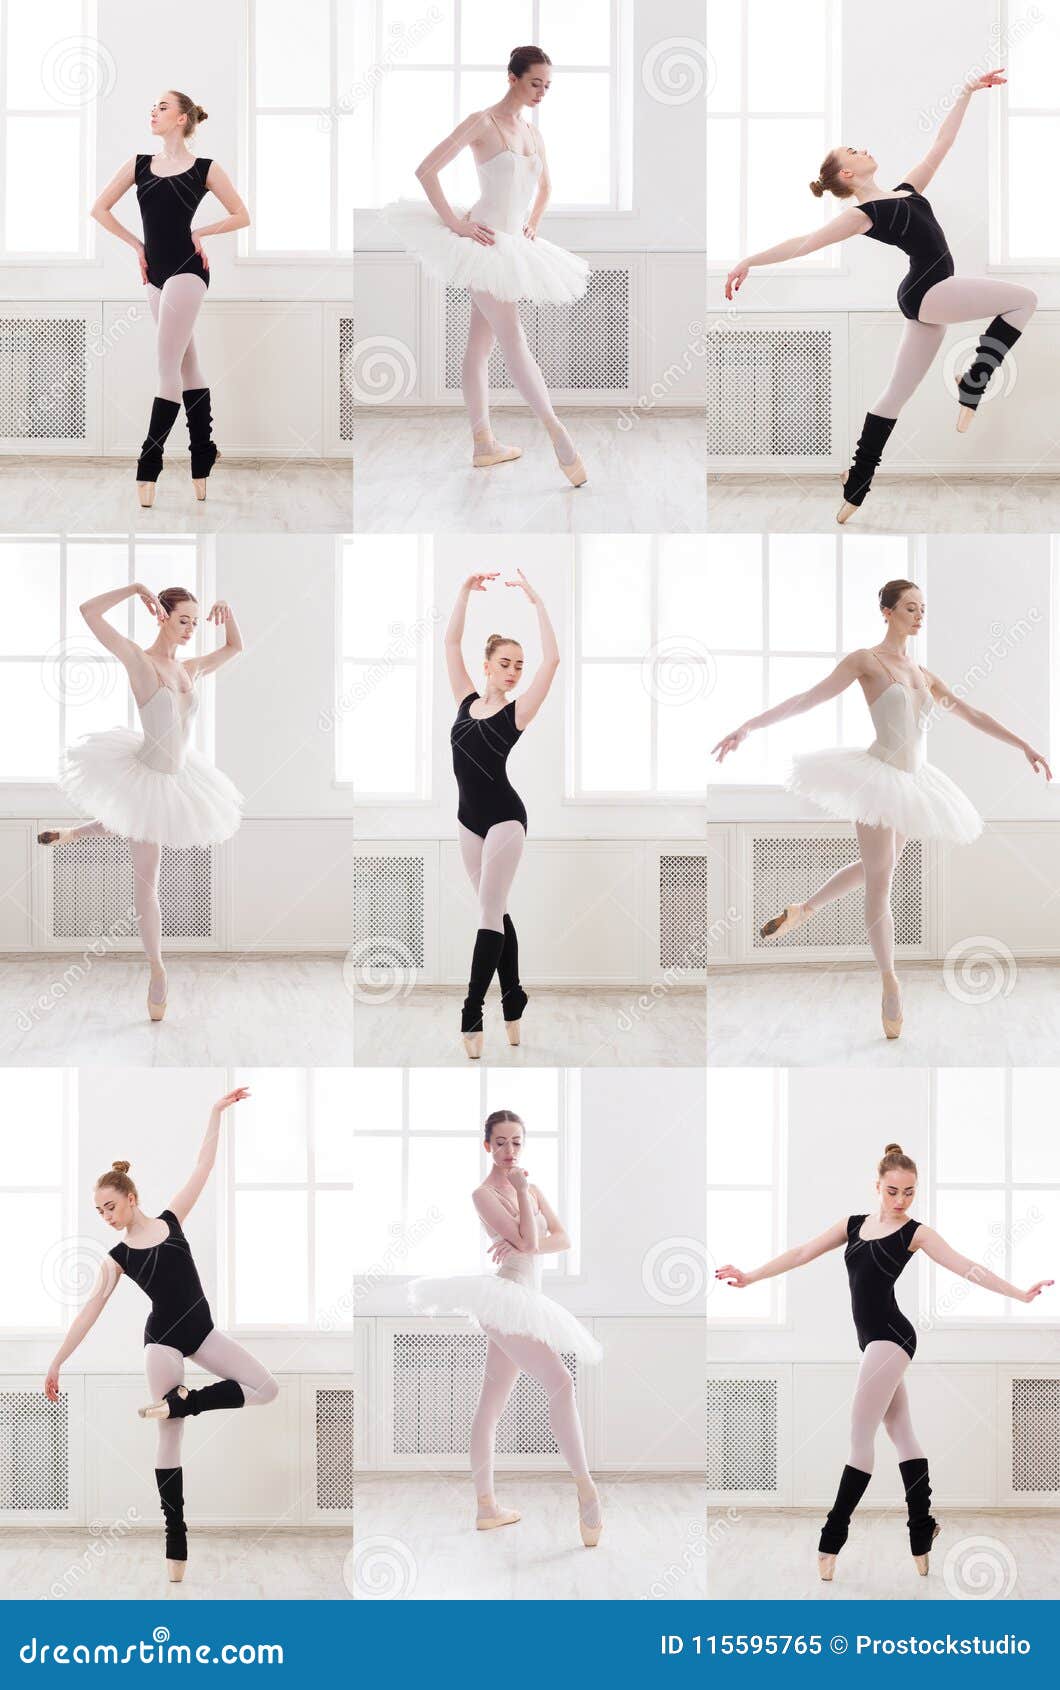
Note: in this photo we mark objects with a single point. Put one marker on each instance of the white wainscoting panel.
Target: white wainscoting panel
(650, 1397)
(290, 885)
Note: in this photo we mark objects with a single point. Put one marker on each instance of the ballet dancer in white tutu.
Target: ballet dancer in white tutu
(494, 250)
(890, 791)
(153, 788)
(527, 1331)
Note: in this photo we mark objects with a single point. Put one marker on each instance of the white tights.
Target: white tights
(491, 864)
(498, 319)
(175, 307)
(958, 299)
(506, 1357)
(217, 1354)
(146, 861)
(880, 1397)
(880, 849)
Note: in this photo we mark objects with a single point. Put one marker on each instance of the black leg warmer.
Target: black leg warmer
(875, 433)
(200, 431)
(997, 339)
(164, 414)
(225, 1394)
(918, 1502)
(513, 998)
(488, 947)
(170, 1482)
(852, 1487)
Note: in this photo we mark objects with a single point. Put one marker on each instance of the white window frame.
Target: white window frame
(828, 260)
(720, 1297)
(1001, 110)
(934, 1285)
(619, 69)
(566, 1201)
(351, 554)
(86, 111)
(67, 1190)
(191, 548)
(310, 1185)
(1053, 751)
(575, 793)
(915, 569)
(340, 251)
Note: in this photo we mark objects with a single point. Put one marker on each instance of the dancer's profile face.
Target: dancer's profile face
(897, 1189)
(505, 667)
(533, 85)
(858, 160)
(907, 616)
(114, 1208)
(506, 1144)
(166, 115)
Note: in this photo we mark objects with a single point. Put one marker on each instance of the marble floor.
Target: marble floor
(244, 496)
(415, 1538)
(587, 1028)
(980, 1555)
(414, 474)
(252, 1010)
(950, 504)
(252, 1564)
(821, 1015)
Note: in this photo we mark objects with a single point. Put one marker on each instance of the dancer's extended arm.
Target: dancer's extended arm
(796, 1257)
(427, 176)
(985, 723)
(848, 670)
(82, 1323)
(927, 1239)
(528, 705)
(853, 221)
(119, 184)
(186, 1198)
(221, 615)
(921, 173)
(139, 666)
(459, 679)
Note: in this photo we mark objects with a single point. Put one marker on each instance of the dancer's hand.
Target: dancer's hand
(200, 249)
(480, 232)
(158, 611)
(51, 1384)
(141, 257)
(477, 583)
(524, 584)
(992, 79)
(518, 1177)
(219, 613)
(500, 1249)
(732, 1276)
(231, 1097)
(530, 231)
(735, 280)
(1037, 762)
(731, 742)
(1036, 1290)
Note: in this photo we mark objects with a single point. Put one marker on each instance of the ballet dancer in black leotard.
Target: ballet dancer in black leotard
(491, 817)
(877, 1248)
(930, 295)
(176, 271)
(156, 1255)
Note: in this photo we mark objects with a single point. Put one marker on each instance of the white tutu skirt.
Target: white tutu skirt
(855, 786)
(104, 778)
(514, 267)
(508, 1307)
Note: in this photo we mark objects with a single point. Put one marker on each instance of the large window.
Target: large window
(419, 1155)
(996, 1182)
(423, 68)
(746, 1177)
(46, 1269)
(643, 671)
(289, 1216)
(302, 101)
(53, 70)
(388, 633)
(784, 609)
(56, 681)
(1026, 113)
(772, 114)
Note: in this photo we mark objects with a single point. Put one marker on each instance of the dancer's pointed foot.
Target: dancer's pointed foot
(590, 1514)
(55, 836)
(891, 1006)
(473, 1045)
(921, 1561)
(146, 490)
(157, 994)
(569, 461)
(795, 915)
(161, 1410)
(965, 418)
(176, 1571)
(826, 1567)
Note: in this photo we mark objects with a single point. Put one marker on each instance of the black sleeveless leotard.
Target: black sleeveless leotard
(167, 206)
(180, 1315)
(480, 757)
(873, 1265)
(910, 225)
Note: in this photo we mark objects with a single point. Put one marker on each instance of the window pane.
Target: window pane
(333, 1123)
(738, 694)
(29, 725)
(1032, 54)
(1034, 217)
(972, 1222)
(577, 132)
(31, 1108)
(293, 212)
(382, 595)
(30, 581)
(29, 1296)
(1035, 1229)
(686, 589)
(270, 1127)
(44, 222)
(488, 30)
(91, 569)
(812, 732)
(375, 1223)
(443, 1101)
(96, 693)
(615, 595)
(578, 32)
(971, 1117)
(442, 1175)
(415, 109)
(541, 1161)
(802, 583)
(777, 150)
(740, 1126)
(49, 57)
(683, 690)
(616, 729)
(334, 1259)
(355, 168)
(375, 1099)
(416, 34)
(780, 35)
(291, 64)
(723, 189)
(868, 561)
(270, 1258)
(531, 1093)
(723, 55)
(1035, 1145)
(381, 728)
(734, 573)
(739, 1224)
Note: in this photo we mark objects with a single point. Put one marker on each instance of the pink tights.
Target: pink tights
(880, 849)
(146, 860)
(491, 864)
(498, 319)
(175, 308)
(506, 1357)
(956, 299)
(880, 1398)
(219, 1355)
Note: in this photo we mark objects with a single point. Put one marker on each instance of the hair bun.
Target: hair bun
(889, 1147)
(200, 115)
(120, 1167)
(490, 637)
(817, 187)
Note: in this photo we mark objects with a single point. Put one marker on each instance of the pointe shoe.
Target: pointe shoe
(489, 1522)
(512, 1030)
(590, 1534)
(160, 1410)
(492, 452)
(576, 473)
(176, 1571)
(892, 1025)
(921, 1561)
(826, 1567)
(795, 915)
(965, 418)
(156, 1009)
(146, 490)
(846, 509)
(473, 1045)
(55, 836)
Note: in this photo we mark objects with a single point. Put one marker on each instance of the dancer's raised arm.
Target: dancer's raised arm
(459, 679)
(222, 616)
(848, 670)
(528, 705)
(796, 1257)
(927, 1239)
(186, 1198)
(921, 173)
(427, 176)
(82, 1323)
(137, 664)
(985, 723)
